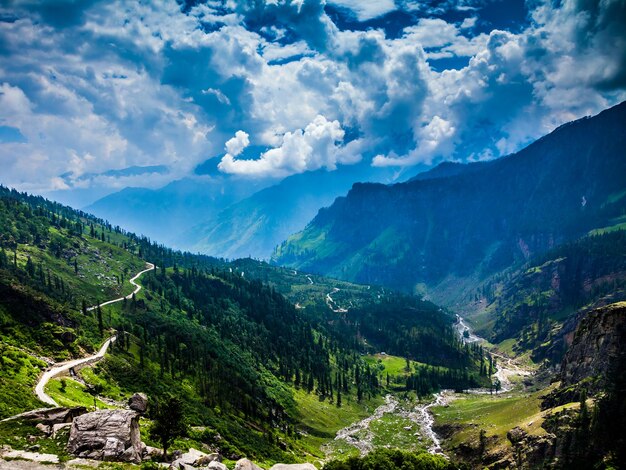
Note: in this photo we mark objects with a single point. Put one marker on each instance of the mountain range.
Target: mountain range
(447, 230)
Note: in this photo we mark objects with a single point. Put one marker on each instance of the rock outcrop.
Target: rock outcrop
(599, 340)
(529, 450)
(106, 435)
(138, 402)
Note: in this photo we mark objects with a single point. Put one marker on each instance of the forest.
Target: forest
(234, 347)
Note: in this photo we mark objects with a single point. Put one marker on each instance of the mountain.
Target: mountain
(228, 216)
(256, 224)
(162, 213)
(447, 169)
(443, 235)
(261, 357)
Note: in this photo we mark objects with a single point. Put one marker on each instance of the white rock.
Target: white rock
(245, 464)
(215, 465)
(32, 456)
(294, 466)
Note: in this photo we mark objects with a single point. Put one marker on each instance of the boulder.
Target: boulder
(192, 456)
(294, 466)
(215, 465)
(106, 435)
(58, 427)
(207, 459)
(245, 464)
(44, 428)
(149, 452)
(178, 465)
(138, 402)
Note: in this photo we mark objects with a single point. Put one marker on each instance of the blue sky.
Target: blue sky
(271, 88)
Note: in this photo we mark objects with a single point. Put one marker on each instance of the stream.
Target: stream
(360, 436)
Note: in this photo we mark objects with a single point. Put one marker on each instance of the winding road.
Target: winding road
(62, 367)
(129, 296)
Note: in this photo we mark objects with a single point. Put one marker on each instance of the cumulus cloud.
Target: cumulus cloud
(315, 147)
(112, 85)
(237, 144)
(432, 138)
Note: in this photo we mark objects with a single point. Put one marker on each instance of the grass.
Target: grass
(109, 389)
(392, 430)
(495, 414)
(100, 267)
(22, 434)
(322, 420)
(392, 365)
(398, 432)
(18, 375)
(68, 392)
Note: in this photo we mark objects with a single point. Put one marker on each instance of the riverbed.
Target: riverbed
(360, 435)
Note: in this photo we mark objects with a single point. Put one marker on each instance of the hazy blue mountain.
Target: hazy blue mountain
(476, 219)
(163, 213)
(256, 224)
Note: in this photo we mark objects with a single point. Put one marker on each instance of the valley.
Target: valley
(333, 354)
(110, 349)
(411, 423)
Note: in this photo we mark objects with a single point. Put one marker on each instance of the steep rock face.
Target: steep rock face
(560, 286)
(599, 341)
(106, 435)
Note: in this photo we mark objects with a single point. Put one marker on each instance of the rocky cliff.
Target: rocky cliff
(598, 344)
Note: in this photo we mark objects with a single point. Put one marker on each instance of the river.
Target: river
(360, 436)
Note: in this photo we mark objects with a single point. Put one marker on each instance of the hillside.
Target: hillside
(250, 366)
(539, 305)
(445, 233)
(256, 224)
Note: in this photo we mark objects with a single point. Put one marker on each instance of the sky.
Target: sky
(97, 95)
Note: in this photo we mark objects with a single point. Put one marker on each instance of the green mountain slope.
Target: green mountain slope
(540, 304)
(250, 366)
(466, 225)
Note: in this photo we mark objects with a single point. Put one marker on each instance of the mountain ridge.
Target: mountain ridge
(474, 222)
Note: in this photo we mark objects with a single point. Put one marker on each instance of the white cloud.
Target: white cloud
(366, 9)
(433, 139)
(469, 23)
(310, 149)
(237, 144)
(145, 84)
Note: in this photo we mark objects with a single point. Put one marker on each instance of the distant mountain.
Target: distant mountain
(449, 228)
(255, 225)
(163, 213)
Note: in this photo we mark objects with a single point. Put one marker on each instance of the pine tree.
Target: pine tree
(30, 267)
(169, 422)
